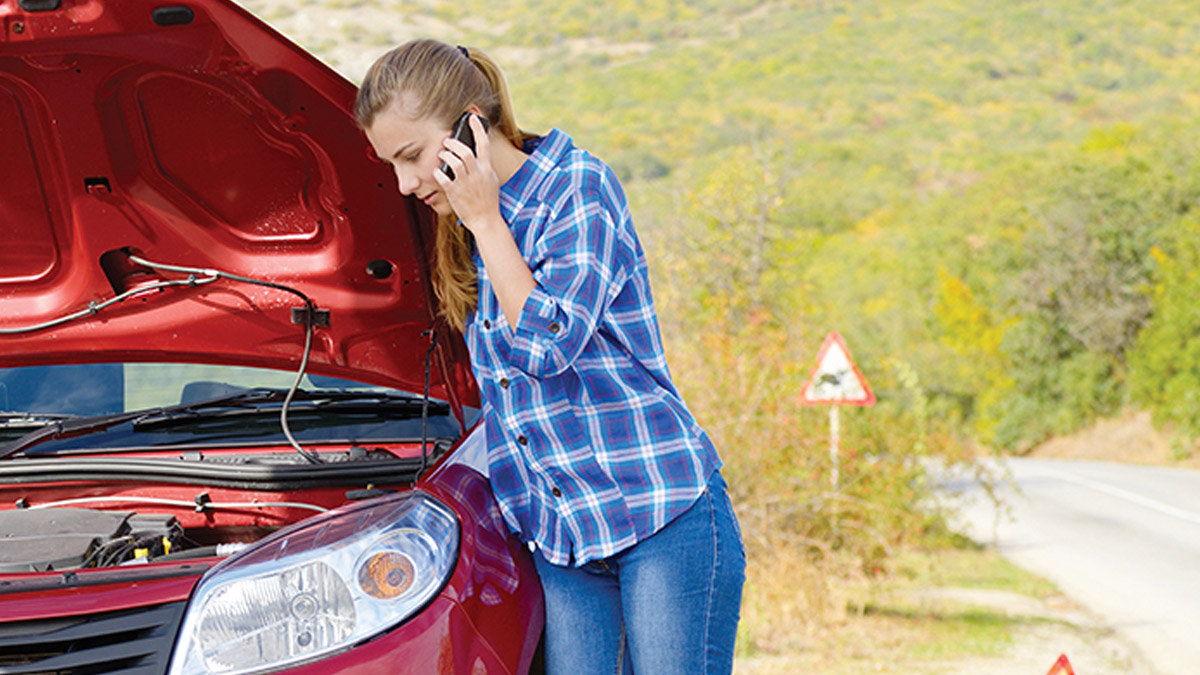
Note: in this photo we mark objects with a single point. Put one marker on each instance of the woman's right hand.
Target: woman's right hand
(474, 194)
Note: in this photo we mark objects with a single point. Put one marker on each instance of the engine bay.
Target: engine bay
(47, 539)
(40, 540)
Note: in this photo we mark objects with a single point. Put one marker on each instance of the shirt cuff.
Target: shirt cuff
(533, 339)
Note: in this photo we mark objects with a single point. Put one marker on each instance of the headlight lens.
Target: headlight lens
(318, 587)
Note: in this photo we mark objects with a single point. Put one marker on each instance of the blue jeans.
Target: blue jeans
(668, 604)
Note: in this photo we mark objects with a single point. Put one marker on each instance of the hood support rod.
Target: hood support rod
(425, 403)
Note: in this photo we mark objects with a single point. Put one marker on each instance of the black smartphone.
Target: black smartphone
(463, 133)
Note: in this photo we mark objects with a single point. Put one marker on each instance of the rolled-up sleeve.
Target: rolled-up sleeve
(579, 267)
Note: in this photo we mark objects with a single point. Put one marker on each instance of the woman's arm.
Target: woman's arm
(475, 197)
(555, 300)
(510, 276)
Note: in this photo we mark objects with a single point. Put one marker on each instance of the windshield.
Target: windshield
(34, 396)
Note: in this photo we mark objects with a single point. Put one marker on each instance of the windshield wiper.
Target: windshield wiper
(79, 426)
(241, 402)
(11, 421)
(303, 402)
(21, 417)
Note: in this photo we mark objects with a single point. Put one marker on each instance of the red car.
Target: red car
(234, 435)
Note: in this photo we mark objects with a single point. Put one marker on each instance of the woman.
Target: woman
(594, 458)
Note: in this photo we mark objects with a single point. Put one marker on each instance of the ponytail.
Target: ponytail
(439, 83)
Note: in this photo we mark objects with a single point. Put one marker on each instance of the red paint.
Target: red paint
(222, 146)
(218, 144)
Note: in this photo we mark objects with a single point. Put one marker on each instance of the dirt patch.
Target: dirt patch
(1130, 437)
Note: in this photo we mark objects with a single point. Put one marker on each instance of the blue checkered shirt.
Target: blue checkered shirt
(590, 447)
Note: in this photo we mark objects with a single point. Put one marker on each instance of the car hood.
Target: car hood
(195, 135)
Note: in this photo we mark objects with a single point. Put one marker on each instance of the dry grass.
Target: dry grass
(955, 610)
(1130, 438)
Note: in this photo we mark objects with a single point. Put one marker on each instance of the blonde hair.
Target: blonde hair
(441, 82)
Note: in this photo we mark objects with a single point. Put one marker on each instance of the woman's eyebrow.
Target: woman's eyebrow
(403, 150)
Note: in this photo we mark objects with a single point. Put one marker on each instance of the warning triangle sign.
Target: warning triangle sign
(836, 380)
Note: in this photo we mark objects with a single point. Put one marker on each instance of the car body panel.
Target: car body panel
(195, 136)
(213, 144)
(487, 618)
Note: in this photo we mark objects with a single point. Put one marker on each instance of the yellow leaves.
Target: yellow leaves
(931, 98)
(954, 115)
(1114, 138)
(877, 306)
(876, 221)
(1160, 256)
(968, 326)
(1191, 100)
(998, 109)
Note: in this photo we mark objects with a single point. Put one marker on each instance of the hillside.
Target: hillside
(973, 189)
(994, 203)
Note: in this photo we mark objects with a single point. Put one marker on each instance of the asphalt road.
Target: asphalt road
(1123, 541)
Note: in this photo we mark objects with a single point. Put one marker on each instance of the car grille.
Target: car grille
(130, 642)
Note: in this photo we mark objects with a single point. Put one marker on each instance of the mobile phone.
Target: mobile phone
(462, 132)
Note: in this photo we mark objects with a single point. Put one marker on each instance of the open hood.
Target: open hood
(194, 135)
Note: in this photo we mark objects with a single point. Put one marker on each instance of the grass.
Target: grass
(937, 608)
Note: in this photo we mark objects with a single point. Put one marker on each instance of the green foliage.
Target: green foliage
(1165, 363)
(993, 202)
(1074, 252)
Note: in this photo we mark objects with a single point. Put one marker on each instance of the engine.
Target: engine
(39, 540)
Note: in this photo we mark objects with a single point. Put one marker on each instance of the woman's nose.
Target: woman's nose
(406, 180)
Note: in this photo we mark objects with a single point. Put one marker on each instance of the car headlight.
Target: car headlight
(318, 587)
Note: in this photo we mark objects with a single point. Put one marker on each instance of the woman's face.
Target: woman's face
(411, 146)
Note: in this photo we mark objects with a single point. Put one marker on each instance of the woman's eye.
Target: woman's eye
(413, 157)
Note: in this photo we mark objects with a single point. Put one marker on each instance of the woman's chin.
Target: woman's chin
(440, 205)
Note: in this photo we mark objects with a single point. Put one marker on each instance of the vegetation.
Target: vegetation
(994, 203)
(932, 614)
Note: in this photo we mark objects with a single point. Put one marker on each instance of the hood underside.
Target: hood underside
(194, 135)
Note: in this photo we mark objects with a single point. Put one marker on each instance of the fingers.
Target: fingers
(483, 144)
(454, 160)
(481, 153)
(473, 193)
(443, 180)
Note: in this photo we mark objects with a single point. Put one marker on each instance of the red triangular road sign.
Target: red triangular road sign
(836, 380)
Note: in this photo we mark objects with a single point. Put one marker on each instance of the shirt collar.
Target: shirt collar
(545, 153)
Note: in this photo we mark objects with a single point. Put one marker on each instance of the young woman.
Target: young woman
(594, 458)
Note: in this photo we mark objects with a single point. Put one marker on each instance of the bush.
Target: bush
(1165, 364)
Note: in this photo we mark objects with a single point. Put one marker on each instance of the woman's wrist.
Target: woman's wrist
(487, 227)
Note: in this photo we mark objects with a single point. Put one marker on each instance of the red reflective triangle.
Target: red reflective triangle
(1061, 667)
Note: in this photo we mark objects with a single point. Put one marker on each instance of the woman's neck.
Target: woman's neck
(506, 157)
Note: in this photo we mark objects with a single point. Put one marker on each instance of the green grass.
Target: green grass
(914, 620)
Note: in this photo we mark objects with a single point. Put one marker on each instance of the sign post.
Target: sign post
(836, 381)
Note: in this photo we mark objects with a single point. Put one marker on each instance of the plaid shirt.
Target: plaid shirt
(590, 447)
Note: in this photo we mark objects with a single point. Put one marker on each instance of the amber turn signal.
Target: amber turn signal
(386, 575)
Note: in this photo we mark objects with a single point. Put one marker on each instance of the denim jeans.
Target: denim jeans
(668, 604)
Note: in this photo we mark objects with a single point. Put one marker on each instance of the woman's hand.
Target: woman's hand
(474, 194)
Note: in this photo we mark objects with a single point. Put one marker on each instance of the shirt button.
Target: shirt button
(556, 492)
(522, 440)
(504, 382)
(487, 324)
(554, 327)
